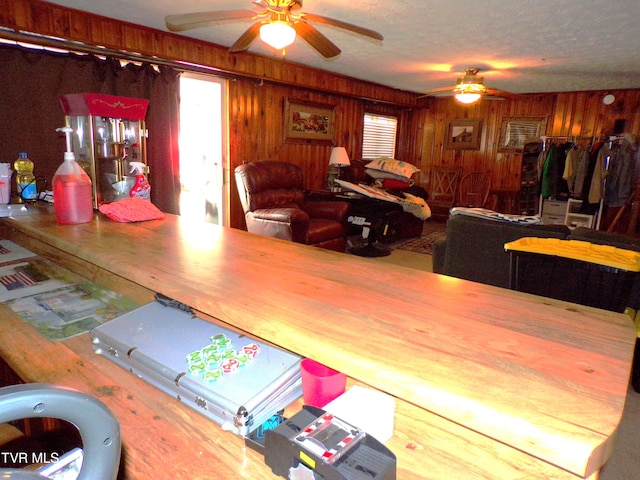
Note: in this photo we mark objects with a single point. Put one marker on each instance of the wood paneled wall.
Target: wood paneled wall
(579, 114)
(256, 111)
(261, 85)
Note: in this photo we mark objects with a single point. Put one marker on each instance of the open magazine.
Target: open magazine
(55, 301)
(10, 252)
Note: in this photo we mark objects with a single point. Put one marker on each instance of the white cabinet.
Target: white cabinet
(553, 212)
(573, 216)
(558, 212)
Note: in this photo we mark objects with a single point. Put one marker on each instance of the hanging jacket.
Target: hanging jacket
(588, 179)
(599, 173)
(571, 166)
(619, 184)
(581, 172)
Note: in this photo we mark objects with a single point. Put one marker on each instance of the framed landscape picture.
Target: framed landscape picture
(463, 134)
(308, 122)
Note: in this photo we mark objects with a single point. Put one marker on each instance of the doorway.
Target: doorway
(203, 148)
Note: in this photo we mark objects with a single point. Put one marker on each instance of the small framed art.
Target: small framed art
(308, 122)
(463, 134)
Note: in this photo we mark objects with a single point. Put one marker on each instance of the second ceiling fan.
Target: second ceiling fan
(470, 88)
(278, 23)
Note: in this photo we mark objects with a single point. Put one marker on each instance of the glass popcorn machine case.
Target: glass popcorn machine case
(108, 135)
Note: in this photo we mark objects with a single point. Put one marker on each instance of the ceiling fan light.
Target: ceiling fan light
(469, 89)
(467, 97)
(277, 34)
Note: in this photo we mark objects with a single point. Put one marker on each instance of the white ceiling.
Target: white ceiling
(522, 46)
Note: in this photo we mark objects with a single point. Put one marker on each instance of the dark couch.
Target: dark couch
(473, 248)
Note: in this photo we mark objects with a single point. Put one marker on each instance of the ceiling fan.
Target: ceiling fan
(470, 88)
(278, 23)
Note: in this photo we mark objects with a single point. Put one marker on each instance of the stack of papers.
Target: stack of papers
(55, 301)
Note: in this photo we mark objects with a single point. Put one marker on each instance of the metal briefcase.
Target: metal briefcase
(173, 350)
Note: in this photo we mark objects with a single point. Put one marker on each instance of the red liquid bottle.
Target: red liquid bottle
(72, 199)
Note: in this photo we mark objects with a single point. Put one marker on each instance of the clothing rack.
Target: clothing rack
(549, 139)
(614, 138)
(569, 138)
(610, 142)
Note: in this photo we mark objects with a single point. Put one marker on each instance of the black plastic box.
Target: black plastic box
(571, 280)
(575, 271)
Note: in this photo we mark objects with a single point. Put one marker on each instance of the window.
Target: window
(379, 136)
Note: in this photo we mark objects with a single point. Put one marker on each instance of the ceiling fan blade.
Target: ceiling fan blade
(246, 39)
(491, 97)
(440, 90)
(188, 21)
(494, 92)
(448, 92)
(340, 24)
(313, 37)
(261, 3)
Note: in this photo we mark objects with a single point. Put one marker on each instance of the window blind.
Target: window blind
(379, 136)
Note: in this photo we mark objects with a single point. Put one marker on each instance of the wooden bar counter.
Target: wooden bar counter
(489, 383)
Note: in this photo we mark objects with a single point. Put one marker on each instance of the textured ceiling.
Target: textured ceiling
(522, 46)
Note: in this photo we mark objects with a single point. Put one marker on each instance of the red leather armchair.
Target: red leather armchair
(274, 205)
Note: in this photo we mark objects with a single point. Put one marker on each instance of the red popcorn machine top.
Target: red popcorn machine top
(108, 135)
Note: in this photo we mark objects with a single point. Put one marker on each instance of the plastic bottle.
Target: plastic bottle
(142, 188)
(72, 198)
(25, 180)
(5, 183)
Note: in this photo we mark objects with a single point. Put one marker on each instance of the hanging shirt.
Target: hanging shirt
(588, 179)
(599, 174)
(547, 172)
(581, 173)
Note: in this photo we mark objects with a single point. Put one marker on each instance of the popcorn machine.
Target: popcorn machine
(108, 135)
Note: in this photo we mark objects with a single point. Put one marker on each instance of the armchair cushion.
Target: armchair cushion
(283, 214)
(327, 209)
(277, 197)
(322, 229)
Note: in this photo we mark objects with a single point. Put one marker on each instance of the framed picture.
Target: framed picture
(306, 122)
(515, 131)
(463, 134)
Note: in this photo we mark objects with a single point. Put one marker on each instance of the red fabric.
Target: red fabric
(394, 184)
(132, 209)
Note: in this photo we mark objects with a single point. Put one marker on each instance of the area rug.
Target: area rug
(422, 244)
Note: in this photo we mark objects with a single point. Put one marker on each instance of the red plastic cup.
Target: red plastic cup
(320, 384)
